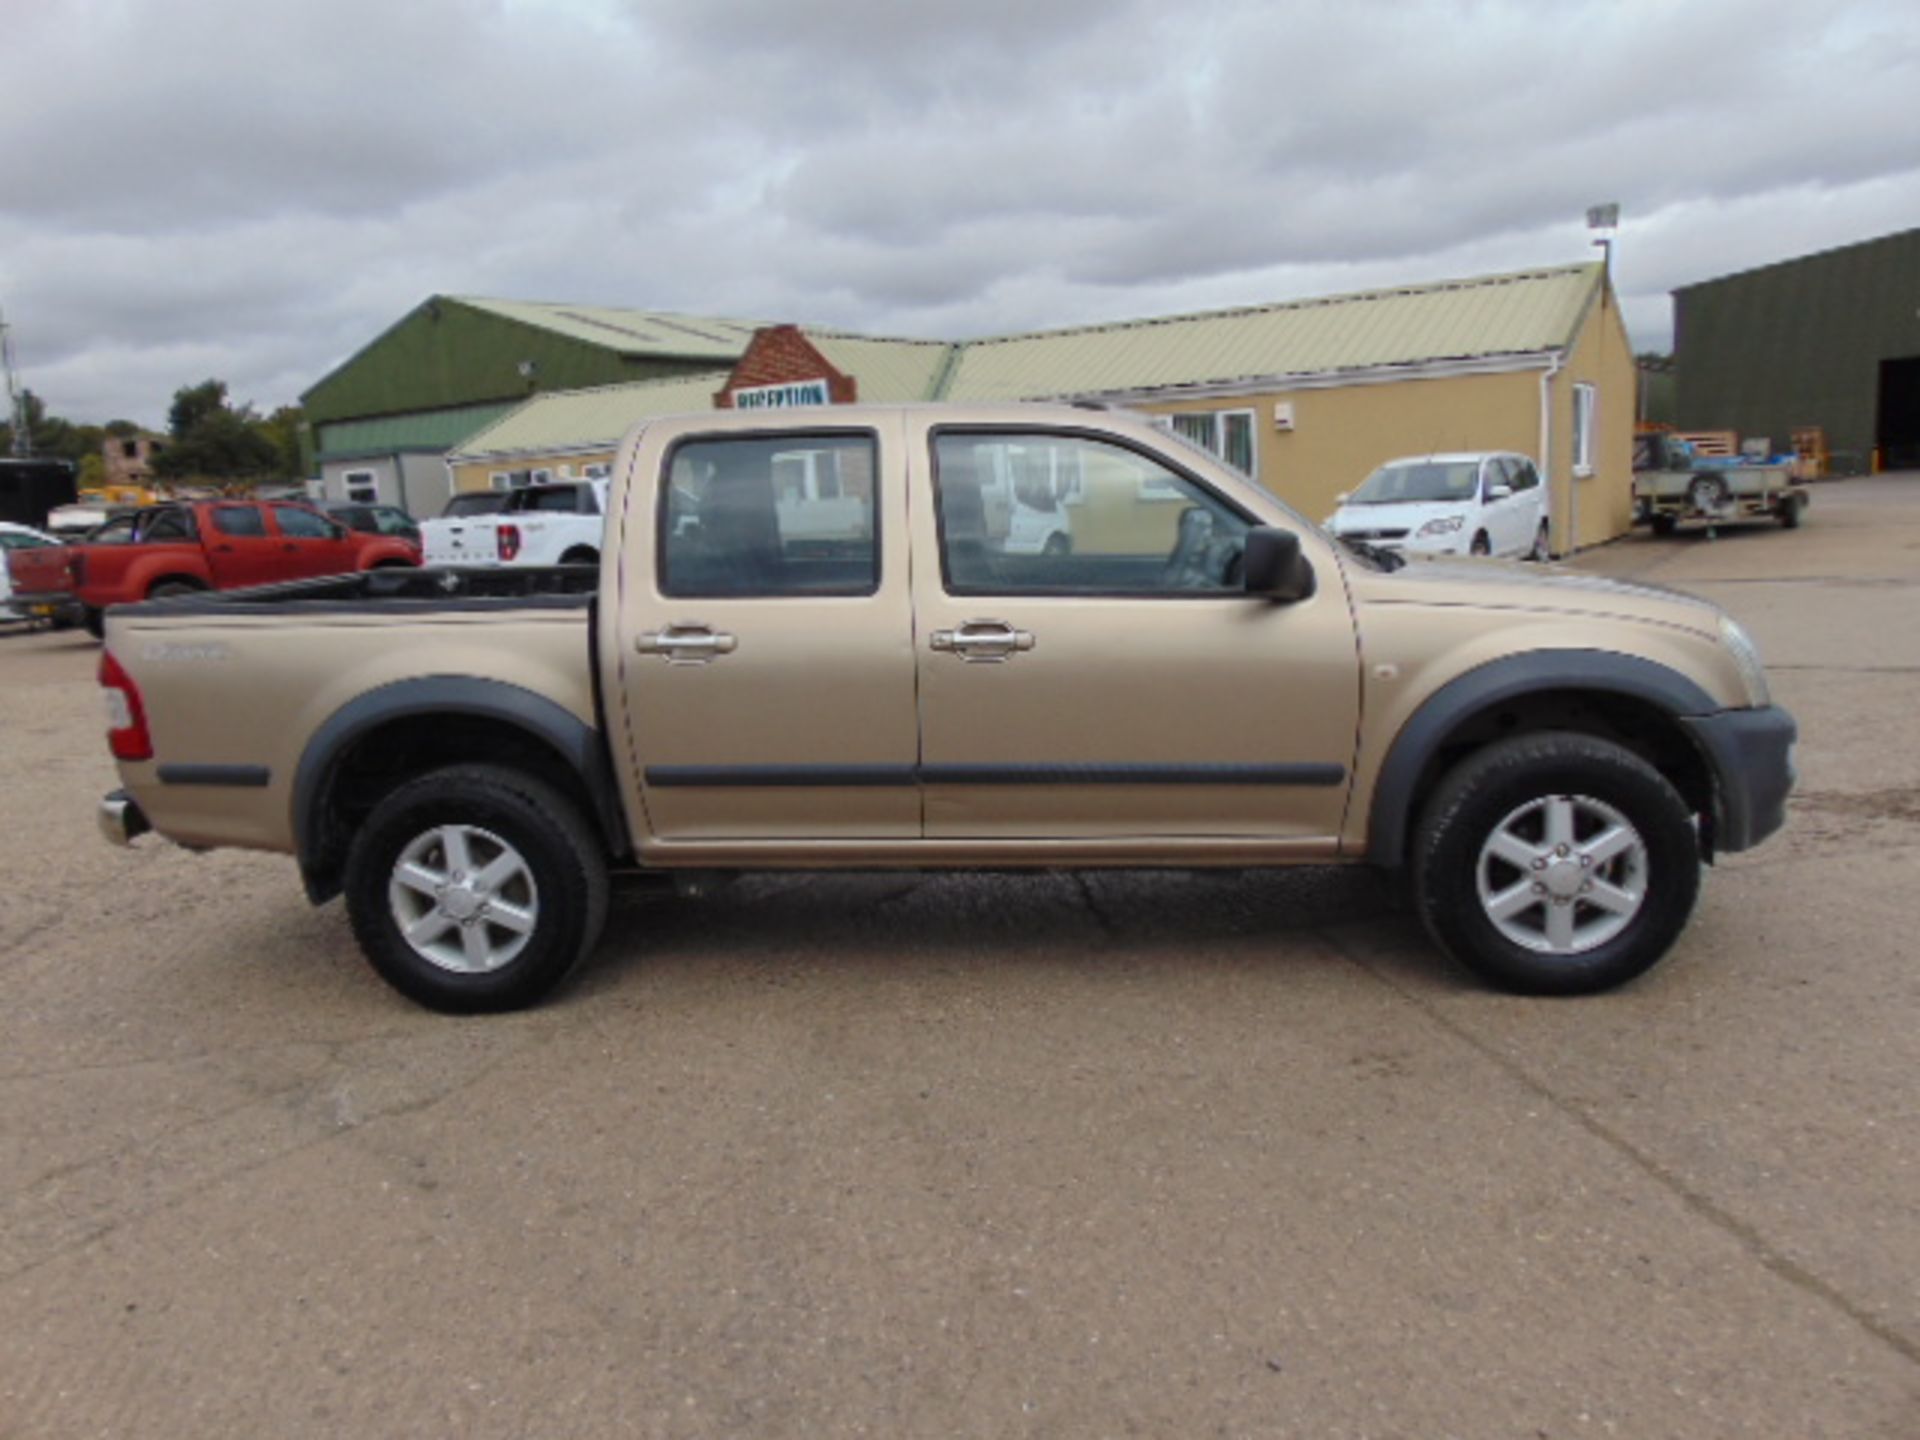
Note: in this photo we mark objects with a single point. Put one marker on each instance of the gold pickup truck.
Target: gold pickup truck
(815, 641)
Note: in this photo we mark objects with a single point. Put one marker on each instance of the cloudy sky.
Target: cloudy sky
(252, 189)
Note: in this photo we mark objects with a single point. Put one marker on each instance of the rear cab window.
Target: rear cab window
(768, 516)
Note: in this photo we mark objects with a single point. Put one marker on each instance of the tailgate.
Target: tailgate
(468, 541)
(41, 572)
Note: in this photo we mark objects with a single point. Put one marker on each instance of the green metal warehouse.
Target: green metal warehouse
(1829, 340)
(382, 420)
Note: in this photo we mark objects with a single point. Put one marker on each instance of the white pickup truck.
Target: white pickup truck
(558, 524)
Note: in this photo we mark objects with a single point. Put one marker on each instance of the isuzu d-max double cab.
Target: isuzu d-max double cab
(1203, 679)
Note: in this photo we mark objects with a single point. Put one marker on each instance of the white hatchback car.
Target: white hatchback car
(1484, 503)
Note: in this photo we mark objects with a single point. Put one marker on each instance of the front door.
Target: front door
(239, 550)
(312, 545)
(765, 654)
(1125, 685)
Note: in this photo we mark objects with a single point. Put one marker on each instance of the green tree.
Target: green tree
(50, 435)
(283, 427)
(214, 440)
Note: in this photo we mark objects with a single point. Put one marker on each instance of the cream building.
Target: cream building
(1306, 396)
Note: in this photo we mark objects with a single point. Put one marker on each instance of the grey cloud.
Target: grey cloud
(255, 191)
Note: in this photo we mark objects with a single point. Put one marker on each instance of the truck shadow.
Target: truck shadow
(765, 925)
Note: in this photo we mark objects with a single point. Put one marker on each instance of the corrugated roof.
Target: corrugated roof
(589, 419)
(1522, 313)
(629, 332)
(889, 371)
(434, 430)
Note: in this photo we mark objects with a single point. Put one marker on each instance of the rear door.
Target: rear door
(1127, 687)
(765, 651)
(240, 548)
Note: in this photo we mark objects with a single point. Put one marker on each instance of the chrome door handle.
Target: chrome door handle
(686, 642)
(982, 640)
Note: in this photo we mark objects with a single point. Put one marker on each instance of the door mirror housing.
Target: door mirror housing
(1274, 567)
(1499, 492)
(1342, 498)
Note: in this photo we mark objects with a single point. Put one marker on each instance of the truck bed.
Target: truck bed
(238, 682)
(444, 587)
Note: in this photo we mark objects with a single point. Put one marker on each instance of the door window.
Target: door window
(1525, 477)
(774, 515)
(239, 520)
(298, 524)
(1134, 525)
(170, 525)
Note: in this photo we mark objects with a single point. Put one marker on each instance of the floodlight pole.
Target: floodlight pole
(16, 398)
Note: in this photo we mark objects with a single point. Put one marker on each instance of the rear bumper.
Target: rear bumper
(121, 819)
(1751, 752)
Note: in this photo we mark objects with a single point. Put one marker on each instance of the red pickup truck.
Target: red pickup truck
(220, 545)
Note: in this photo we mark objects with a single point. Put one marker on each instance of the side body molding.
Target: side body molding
(1602, 672)
(578, 744)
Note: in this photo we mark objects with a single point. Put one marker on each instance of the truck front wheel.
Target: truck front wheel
(1556, 864)
(476, 888)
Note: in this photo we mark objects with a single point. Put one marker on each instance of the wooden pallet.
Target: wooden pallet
(1712, 444)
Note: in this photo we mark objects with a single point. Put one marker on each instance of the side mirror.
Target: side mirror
(1342, 498)
(1499, 492)
(1273, 566)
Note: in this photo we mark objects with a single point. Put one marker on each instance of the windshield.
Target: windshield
(1405, 480)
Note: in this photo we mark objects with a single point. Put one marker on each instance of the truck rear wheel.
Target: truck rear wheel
(476, 888)
(1556, 864)
(1663, 524)
(1789, 510)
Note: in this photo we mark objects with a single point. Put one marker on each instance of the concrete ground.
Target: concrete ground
(1096, 1155)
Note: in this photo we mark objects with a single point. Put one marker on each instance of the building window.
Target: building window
(1583, 408)
(363, 487)
(1225, 433)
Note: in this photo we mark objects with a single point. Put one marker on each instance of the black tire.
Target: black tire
(168, 588)
(562, 855)
(1664, 524)
(1484, 792)
(1480, 545)
(1542, 546)
(95, 622)
(1057, 544)
(581, 555)
(1789, 512)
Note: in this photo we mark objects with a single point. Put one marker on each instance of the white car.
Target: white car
(1483, 503)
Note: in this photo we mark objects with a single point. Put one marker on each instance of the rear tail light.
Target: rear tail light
(507, 540)
(127, 733)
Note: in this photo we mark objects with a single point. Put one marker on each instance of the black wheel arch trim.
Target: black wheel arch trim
(1603, 672)
(577, 743)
